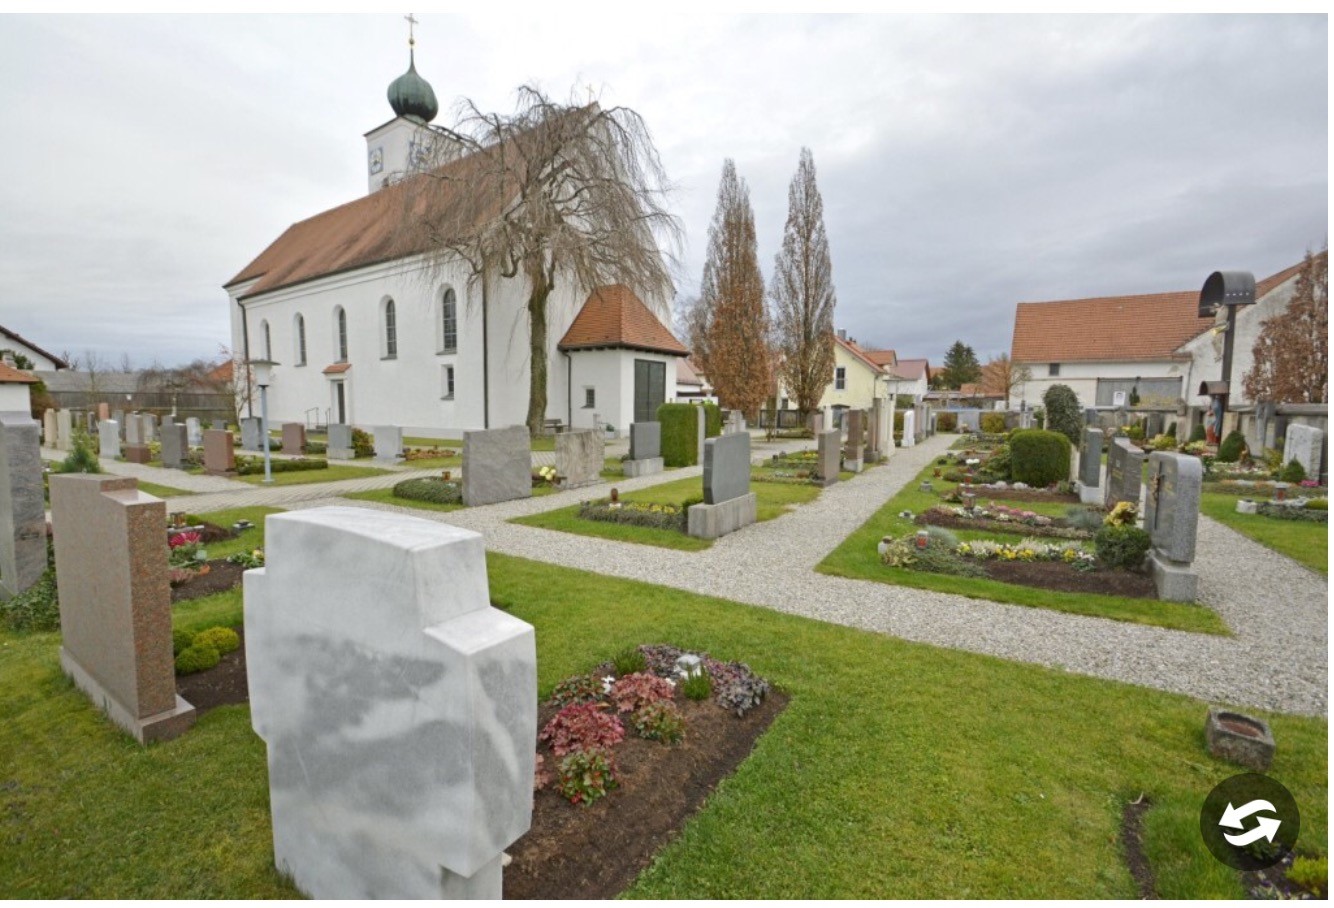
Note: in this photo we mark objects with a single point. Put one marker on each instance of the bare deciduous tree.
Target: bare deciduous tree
(730, 330)
(1001, 376)
(553, 192)
(1292, 352)
(803, 292)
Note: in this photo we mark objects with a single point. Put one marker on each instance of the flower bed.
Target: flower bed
(1315, 510)
(254, 466)
(784, 476)
(994, 517)
(636, 513)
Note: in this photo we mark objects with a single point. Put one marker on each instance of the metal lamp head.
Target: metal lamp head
(263, 371)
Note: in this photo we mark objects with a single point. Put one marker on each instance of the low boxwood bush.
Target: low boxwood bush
(1039, 457)
(428, 488)
(1294, 472)
(1306, 514)
(196, 659)
(713, 420)
(946, 422)
(680, 434)
(363, 445)
(222, 639)
(181, 641)
(254, 466)
(992, 423)
(1121, 546)
(1230, 450)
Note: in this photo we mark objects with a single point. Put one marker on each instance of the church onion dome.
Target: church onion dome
(411, 96)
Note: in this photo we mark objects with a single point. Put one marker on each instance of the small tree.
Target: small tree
(1002, 376)
(961, 366)
(803, 292)
(1062, 410)
(730, 329)
(1291, 354)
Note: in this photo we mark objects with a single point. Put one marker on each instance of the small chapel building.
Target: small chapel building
(370, 326)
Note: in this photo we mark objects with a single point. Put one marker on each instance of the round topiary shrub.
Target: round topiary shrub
(222, 639)
(1039, 457)
(946, 422)
(197, 659)
(1062, 408)
(1121, 546)
(181, 641)
(1230, 450)
(993, 423)
(1293, 472)
(428, 488)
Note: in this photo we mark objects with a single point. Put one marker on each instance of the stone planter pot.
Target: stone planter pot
(1239, 739)
(1245, 506)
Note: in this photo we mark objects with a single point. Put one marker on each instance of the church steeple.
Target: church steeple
(410, 95)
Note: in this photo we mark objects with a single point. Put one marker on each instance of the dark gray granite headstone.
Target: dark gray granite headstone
(645, 440)
(1153, 425)
(1124, 462)
(1090, 457)
(1172, 506)
(250, 433)
(340, 442)
(497, 465)
(827, 464)
(175, 441)
(726, 467)
(119, 417)
(22, 509)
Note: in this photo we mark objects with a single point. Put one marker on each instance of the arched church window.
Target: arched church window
(449, 322)
(390, 330)
(268, 339)
(340, 334)
(299, 326)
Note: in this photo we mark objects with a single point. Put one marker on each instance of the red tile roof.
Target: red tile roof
(882, 357)
(859, 353)
(912, 369)
(686, 375)
(11, 376)
(614, 317)
(1147, 326)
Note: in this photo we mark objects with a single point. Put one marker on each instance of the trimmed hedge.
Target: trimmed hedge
(680, 434)
(427, 488)
(666, 517)
(713, 420)
(1039, 457)
(1288, 512)
(992, 423)
(254, 466)
(1061, 406)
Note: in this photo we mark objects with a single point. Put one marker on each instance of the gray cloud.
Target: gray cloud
(967, 163)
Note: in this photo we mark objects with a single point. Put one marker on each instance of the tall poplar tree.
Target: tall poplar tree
(730, 324)
(803, 292)
(1291, 354)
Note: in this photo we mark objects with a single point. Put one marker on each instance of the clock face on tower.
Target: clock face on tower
(377, 159)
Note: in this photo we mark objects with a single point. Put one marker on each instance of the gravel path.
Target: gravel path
(1277, 660)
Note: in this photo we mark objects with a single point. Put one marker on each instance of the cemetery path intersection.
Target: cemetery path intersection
(1276, 660)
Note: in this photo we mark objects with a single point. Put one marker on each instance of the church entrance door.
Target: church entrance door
(650, 389)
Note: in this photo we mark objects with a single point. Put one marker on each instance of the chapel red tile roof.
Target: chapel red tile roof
(1147, 326)
(686, 375)
(614, 317)
(882, 357)
(11, 376)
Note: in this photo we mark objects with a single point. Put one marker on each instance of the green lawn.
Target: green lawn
(247, 540)
(772, 500)
(898, 770)
(1305, 543)
(306, 477)
(386, 496)
(414, 441)
(152, 488)
(857, 557)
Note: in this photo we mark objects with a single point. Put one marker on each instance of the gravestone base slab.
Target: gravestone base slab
(646, 467)
(710, 521)
(160, 727)
(340, 453)
(137, 454)
(853, 466)
(1175, 582)
(1088, 494)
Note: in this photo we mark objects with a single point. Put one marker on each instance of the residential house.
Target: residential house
(29, 355)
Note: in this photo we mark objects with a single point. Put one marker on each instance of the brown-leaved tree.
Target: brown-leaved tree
(1292, 352)
(729, 327)
(1001, 376)
(803, 292)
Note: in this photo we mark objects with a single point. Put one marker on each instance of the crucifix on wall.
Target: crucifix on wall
(1228, 289)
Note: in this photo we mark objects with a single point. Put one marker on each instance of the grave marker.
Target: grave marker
(827, 464)
(251, 432)
(193, 434)
(852, 449)
(645, 449)
(340, 442)
(1090, 465)
(497, 465)
(388, 443)
(22, 509)
(49, 430)
(174, 445)
(64, 430)
(1124, 463)
(909, 428)
(728, 504)
(580, 455)
(115, 603)
(1171, 514)
(219, 453)
(1305, 444)
(134, 431)
(108, 436)
(137, 454)
(392, 697)
(294, 438)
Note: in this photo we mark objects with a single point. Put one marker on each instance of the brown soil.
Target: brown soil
(221, 685)
(1132, 840)
(954, 521)
(222, 575)
(1021, 495)
(1240, 728)
(595, 852)
(1056, 575)
(591, 852)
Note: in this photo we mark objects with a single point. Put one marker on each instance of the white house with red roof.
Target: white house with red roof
(369, 327)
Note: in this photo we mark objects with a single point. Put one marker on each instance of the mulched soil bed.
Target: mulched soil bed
(984, 494)
(222, 575)
(1132, 841)
(222, 685)
(1056, 575)
(592, 852)
(595, 852)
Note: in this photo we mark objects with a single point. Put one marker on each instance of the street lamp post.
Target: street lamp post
(263, 369)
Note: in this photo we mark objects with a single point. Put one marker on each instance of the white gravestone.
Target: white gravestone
(1304, 444)
(108, 433)
(194, 435)
(399, 708)
(64, 430)
(909, 428)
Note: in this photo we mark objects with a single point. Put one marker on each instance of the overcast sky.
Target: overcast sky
(966, 163)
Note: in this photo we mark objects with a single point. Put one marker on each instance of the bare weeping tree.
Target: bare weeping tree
(550, 194)
(802, 290)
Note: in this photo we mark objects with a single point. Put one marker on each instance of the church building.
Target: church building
(369, 326)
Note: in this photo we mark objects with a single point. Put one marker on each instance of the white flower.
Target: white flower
(607, 682)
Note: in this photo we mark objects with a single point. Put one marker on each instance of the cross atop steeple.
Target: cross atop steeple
(412, 22)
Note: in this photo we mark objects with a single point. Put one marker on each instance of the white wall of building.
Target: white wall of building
(15, 398)
(1082, 378)
(40, 361)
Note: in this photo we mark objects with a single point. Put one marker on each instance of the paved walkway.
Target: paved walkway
(1277, 660)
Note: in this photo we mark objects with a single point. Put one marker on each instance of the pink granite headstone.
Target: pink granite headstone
(219, 453)
(294, 438)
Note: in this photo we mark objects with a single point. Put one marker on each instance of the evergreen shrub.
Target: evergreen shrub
(1061, 406)
(680, 434)
(1039, 457)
